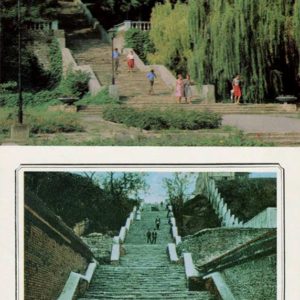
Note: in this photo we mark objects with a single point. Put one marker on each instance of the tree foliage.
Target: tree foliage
(75, 197)
(169, 34)
(220, 38)
(125, 184)
(177, 189)
(30, 11)
(246, 197)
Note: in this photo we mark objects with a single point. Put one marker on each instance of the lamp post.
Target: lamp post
(113, 35)
(19, 131)
(113, 89)
(20, 96)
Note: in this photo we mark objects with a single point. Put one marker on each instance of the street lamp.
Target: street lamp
(20, 97)
(113, 35)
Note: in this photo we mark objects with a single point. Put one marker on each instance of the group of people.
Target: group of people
(183, 89)
(116, 60)
(152, 235)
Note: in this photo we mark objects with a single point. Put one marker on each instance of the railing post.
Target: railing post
(54, 25)
(127, 24)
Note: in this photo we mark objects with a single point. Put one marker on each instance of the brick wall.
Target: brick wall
(52, 251)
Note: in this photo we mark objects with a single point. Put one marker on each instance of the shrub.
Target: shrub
(102, 97)
(41, 121)
(55, 71)
(155, 119)
(8, 87)
(74, 84)
(29, 99)
(52, 122)
(140, 42)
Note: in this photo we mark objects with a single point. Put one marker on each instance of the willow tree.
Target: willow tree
(296, 26)
(170, 35)
(256, 39)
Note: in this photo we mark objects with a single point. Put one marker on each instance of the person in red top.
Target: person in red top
(130, 61)
(236, 86)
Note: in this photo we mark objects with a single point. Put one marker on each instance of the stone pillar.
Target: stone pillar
(54, 25)
(127, 25)
(113, 91)
(208, 94)
(19, 132)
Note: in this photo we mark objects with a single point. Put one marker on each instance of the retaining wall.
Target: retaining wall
(265, 219)
(254, 279)
(52, 251)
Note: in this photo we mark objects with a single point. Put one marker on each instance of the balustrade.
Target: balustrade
(42, 25)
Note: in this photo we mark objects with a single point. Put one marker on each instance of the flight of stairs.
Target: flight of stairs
(87, 48)
(144, 271)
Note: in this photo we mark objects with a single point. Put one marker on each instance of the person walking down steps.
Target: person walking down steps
(154, 236)
(151, 77)
(130, 61)
(116, 59)
(157, 223)
(149, 237)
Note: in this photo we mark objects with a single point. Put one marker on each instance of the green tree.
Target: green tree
(253, 38)
(30, 11)
(75, 197)
(214, 40)
(126, 184)
(170, 36)
(177, 189)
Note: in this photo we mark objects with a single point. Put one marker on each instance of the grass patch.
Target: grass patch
(41, 121)
(157, 120)
(102, 97)
(164, 140)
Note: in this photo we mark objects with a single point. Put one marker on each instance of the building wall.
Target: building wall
(52, 251)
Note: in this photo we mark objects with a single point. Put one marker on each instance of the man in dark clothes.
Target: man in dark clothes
(157, 222)
(154, 236)
(148, 234)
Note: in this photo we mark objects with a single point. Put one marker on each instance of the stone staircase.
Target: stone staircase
(144, 271)
(87, 48)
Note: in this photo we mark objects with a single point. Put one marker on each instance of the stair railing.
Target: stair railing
(42, 25)
(265, 219)
(224, 214)
(117, 241)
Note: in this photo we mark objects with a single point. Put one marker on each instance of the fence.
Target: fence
(210, 190)
(207, 187)
(126, 25)
(42, 25)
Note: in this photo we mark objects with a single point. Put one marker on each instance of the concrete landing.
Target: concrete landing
(262, 123)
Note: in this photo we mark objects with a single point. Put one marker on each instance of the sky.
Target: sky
(157, 192)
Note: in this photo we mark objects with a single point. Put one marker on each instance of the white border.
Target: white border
(12, 157)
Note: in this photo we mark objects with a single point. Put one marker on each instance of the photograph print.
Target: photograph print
(121, 234)
(150, 72)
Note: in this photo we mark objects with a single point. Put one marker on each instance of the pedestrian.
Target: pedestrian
(116, 59)
(236, 86)
(179, 88)
(130, 61)
(187, 89)
(157, 222)
(151, 76)
(148, 235)
(154, 236)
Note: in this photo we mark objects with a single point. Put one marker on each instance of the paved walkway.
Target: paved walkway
(262, 123)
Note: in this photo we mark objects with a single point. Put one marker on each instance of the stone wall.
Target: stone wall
(52, 251)
(253, 280)
(208, 244)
